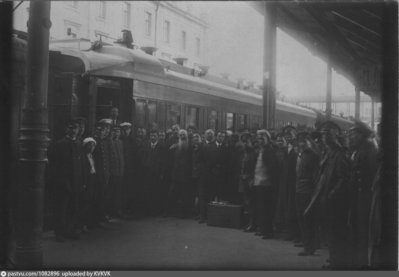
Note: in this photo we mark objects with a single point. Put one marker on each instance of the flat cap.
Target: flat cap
(89, 139)
(328, 126)
(105, 121)
(362, 128)
(302, 136)
(289, 131)
(71, 122)
(125, 124)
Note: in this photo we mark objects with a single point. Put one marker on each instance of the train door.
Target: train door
(64, 101)
(109, 93)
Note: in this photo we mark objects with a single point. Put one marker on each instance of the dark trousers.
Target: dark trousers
(306, 223)
(338, 232)
(65, 212)
(360, 226)
(204, 197)
(249, 200)
(86, 213)
(265, 208)
(180, 198)
(100, 199)
(115, 194)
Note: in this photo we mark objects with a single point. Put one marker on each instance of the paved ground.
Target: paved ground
(170, 243)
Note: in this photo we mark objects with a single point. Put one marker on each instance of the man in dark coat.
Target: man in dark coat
(181, 186)
(306, 173)
(246, 182)
(154, 163)
(364, 166)
(101, 157)
(197, 176)
(215, 167)
(117, 167)
(332, 196)
(113, 115)
(65, 162)
(128, 178)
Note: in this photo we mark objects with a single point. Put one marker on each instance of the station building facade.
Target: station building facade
(173, 28)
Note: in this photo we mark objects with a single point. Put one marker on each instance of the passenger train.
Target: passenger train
(88, 79)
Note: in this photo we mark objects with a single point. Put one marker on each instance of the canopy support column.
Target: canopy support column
(269, 65)
(329, 87)
(357, 103)
(33, 141)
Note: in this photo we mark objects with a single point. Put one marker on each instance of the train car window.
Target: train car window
(140, 113)
(192, 117)
(106, 99)
(173, 115)
(161, 116)
(152, 114)
(242, 121)
(229, 121)
(255, 123)
(212, 120)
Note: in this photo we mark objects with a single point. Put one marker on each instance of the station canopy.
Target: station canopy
(351, 32)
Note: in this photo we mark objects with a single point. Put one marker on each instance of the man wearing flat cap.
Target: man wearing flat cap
(66, 169)
(129, 155)
(364, 166)
(306, 173)
(332, 196)
(101, 156)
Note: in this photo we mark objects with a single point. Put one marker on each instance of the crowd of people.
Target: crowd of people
(314, 186)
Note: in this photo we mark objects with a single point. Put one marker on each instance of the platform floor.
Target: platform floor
(160, 243)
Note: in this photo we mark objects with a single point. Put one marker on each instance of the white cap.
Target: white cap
(89, 139)
(125, 124)
(106, 121)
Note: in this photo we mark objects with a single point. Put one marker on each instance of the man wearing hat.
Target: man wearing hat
(246, 181)
(117, 167)
(364, 167)
(289, 133)
(65, 163)
(102, 159)
(87, 198)
(332, 196)
(306, 173)
(128, 179)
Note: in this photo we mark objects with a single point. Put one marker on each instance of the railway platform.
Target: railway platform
(165, 243)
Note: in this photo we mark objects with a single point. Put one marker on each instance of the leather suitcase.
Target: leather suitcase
(225, 215)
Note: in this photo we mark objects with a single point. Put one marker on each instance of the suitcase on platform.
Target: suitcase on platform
(225, 215)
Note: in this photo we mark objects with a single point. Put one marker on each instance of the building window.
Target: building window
(126, 14)
(101, 9)
(197, 47)
(166, 31)
(147, 23)
(183, 41)
(71, 29)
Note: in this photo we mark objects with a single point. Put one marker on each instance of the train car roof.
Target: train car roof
(122, 62)
(112, 61)
(224, 91)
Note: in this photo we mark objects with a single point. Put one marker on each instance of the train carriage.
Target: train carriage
(88, 79)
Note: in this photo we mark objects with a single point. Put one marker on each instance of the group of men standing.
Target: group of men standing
(320, 187)
(308, 184)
